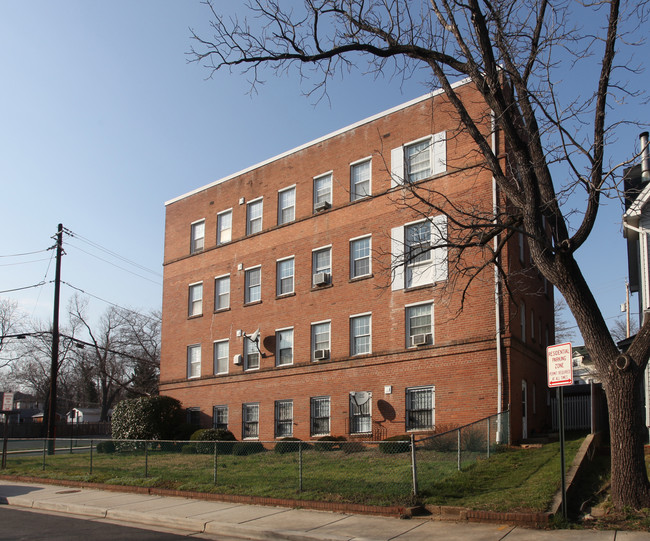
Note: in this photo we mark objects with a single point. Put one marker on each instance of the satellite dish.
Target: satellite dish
(255, 336)
(361, 397)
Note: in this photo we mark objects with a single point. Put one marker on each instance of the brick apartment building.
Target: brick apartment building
(356, 299)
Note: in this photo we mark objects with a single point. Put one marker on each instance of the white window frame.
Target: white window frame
(410, 391)
(354, 429)
(354, 337)
(217, 280)
(278, 337)
(195, 303)
(315, 403)
(354, 195)
(281, 209)
(326, 196)
(283, 424)
(223, 408)
(408, 318)
(316, 268)
(224, 234)
(422, 256)
(280, 278)
(353, 241)
(193, 363)
(437, 158)
(195, 238)
(251, 351)
(215, 359)
(327, 322)
(249, 408)
(250, 287)
(251, 227)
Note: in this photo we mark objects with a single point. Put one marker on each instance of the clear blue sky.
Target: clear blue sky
(102, 120)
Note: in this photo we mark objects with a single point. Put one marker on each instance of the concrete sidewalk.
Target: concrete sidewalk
(268, 523)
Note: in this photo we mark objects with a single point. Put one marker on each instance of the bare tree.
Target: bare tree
(11, 322)
(516, 55)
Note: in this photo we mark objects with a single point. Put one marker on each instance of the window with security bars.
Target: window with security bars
(360, 335)
(224, 227)
(283, 418)
(420, 408)
(320, 415)
(284, 344)
(360, 413)
(359, 180)
(360, 257)
(418, 160)
(254, 217)
(286, 206)
(220, 417)
(221, 352)
(250, 421)
(285, 277)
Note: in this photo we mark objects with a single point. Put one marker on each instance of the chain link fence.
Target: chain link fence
(368, 472)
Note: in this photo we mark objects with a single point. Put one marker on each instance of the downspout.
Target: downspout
(497, 296)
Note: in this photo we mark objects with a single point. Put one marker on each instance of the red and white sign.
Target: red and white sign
(559, 363)
(7, 401)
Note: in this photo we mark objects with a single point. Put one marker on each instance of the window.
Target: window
(220, 356)
(360, 257)
(323, 192)
(419, 330)
(284, 347)
(197, 237)
(360, 412)
(360, 342)
(250, 421)
(251, 355)
(359, 180)
(532, 325)
(320, 415)
(283, 418)
(420, 408)
(220, 417)
(224, 227)
(419, 253)
(254, 217)
(284, 276)
(253, 285)
(194, 361)
(221, 293)
(419, 160)
(193, 417)
(320, 341)
(522, 321)
(322, 266)
(195, 300)
(286, 205)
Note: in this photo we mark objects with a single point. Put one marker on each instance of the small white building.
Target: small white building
(84, 415)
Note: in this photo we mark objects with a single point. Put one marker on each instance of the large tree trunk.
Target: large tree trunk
(625, 402)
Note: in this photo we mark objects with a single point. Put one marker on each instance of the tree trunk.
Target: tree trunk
(630, 486)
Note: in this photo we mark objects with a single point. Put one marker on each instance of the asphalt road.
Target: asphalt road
(19, 525)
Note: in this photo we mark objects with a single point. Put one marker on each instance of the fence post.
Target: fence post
(91, 456)
(215, 463)
(44, 452)
(488, 437)
(414, 467)
(146, 459)
(459, 449)
(300, 466)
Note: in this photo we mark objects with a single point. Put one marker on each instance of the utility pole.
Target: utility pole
(54, 367)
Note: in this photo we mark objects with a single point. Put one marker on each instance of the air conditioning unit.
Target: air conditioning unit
(420, 339)
(323, 205)
(321, 278)
(321, 354)
(237, 359)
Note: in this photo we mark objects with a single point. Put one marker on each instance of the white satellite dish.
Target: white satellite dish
(255, 336)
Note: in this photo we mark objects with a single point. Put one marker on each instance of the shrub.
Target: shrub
(107, 447)
(224, 438)
(330, 443)
(147, 418)
(189, 449)
(245, 448)
(353, 447)
(396, 444)
(473, 440)
(290, 445)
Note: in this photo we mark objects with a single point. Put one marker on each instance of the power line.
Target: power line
(24, 262)
(26, 287)
(26, 253)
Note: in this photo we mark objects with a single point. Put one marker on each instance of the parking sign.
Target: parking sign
(559, 363)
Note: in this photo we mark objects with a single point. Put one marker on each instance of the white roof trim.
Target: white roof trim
(320, 140)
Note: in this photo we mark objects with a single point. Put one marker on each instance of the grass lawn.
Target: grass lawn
(511, 479)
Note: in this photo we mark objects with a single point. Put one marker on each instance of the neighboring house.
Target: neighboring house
(25, 407)
(636, 229)
(308, 295)
(85, 415)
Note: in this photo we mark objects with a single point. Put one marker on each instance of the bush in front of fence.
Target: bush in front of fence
(147, 418)
(106, 447)
(224, 439)
(245, 448)
(396, 444)
(330, 443)
(291, 445)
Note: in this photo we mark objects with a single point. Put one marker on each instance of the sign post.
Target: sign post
(7, 406)
(559, 364)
